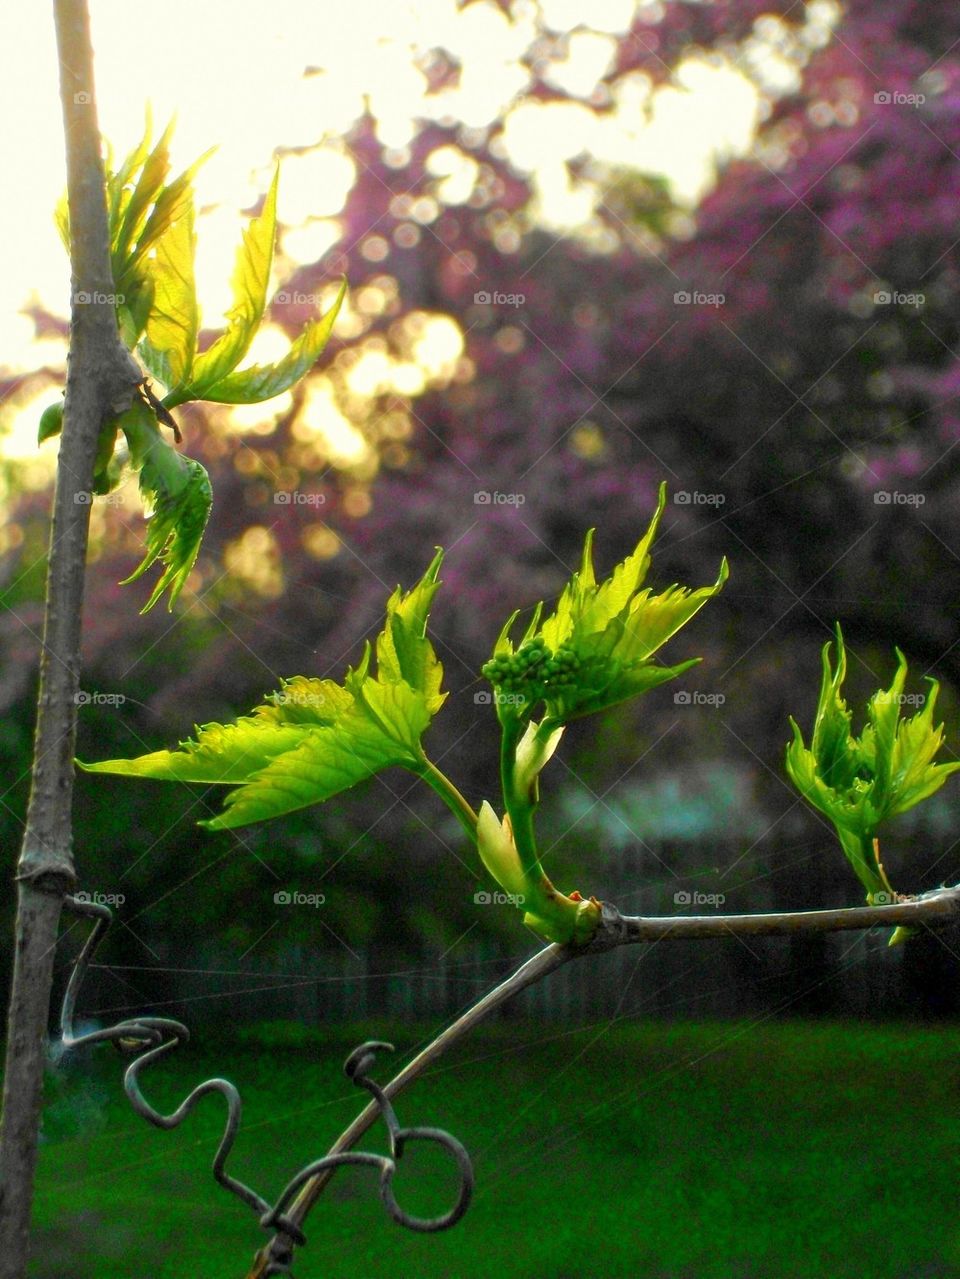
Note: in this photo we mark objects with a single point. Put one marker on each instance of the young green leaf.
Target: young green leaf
(595, 649)
(251, 277)
(381, 729)
(171, 337)
(861, 782)
(151, 224)
(315, 738)
(177, 492)
(51, 421)
(130, 215)
(403, 650)
(264, 381)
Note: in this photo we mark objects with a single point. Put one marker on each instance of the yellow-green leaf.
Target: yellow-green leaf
(171, 336)
(264, 381)
(251, 277)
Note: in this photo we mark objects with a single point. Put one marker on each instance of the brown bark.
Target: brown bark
(100, 381)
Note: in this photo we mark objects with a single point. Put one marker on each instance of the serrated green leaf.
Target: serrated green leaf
(154, 168)
(176, 490)
(314, 738)
(403, 650)
(251, 278)
(333, 759)
(225, 754)
(861, 782)
(118, 188)
(171, 332)
(595, 649)
(264, 381)
(172, 203)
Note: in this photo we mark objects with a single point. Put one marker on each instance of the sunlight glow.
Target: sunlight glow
(321, 416)
(298, 79)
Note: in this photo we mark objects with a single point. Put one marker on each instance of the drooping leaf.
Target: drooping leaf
(177, 492)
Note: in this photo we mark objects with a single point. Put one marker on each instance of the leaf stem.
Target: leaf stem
(520, 807)
(450, 795)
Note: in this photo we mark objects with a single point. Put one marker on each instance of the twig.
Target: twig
(939, 907)
(100, 382)
(544, 962)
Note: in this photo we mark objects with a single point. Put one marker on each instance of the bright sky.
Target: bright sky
(232, 71)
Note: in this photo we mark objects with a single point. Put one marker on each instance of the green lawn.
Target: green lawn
(654, 1151)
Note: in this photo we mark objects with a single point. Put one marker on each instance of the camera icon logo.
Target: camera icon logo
(482, 298)
(482, 498)
(483, 698)
(82, 98)
(882, 98)
(83, 499)
(682, 298)
(682, 498)
(882, 498)
(682, 898)
(482, 898)
(681, 699)
(282, 897)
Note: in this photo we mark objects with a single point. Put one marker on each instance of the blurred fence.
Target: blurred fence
(847, 974)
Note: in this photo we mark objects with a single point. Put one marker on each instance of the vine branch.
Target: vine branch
(934, 909)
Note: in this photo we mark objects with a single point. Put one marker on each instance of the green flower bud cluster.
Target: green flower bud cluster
(533, 669)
